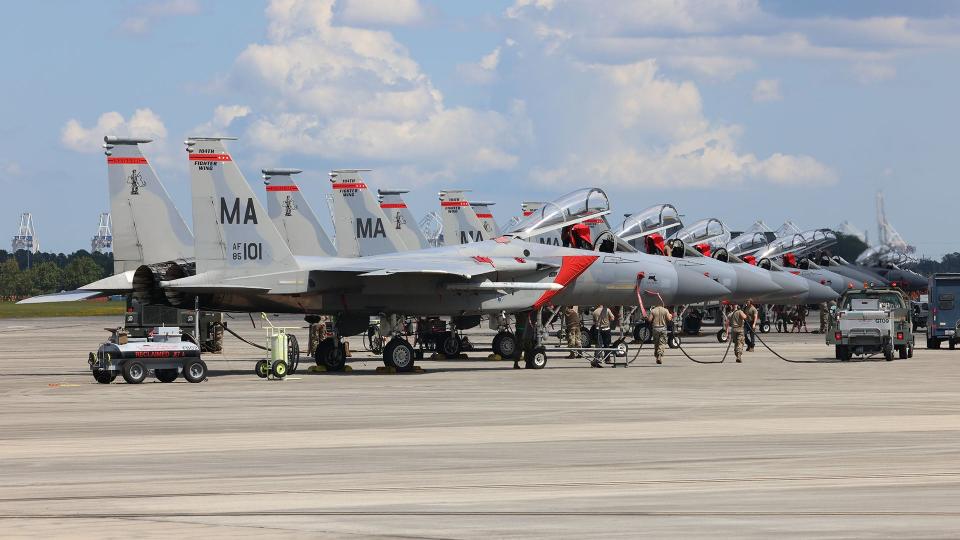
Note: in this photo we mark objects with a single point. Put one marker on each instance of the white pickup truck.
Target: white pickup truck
(871, 322)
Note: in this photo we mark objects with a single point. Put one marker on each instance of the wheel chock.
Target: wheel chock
(386, 369)
(462, 356)
(418, 369)
(317, 369)
(347, 369)
(438, 356)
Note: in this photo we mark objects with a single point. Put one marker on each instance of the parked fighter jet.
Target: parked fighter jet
(482, 209)
(244, 264)
(461, 224)
(400, 218)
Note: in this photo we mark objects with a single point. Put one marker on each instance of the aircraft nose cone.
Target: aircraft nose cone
(695, 287)
(792, 285)
(753, 285)
(820, 293)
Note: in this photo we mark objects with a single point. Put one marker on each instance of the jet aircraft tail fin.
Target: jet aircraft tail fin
(400, 218)
(460, 223)
(293, 216)
(482, 209)
(361, 226)
(147, 227)
(232, 229)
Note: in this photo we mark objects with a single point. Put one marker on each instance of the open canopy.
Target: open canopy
(710, 232)
(662, 219)
(575, 207)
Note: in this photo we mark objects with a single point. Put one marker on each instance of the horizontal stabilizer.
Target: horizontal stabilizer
(65, 296)
(115, 284)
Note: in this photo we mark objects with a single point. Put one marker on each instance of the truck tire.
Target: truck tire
(134, 372)
(103, 376)
(902, 351)
(933, 343)
(888, 352)
(910, 351)
(195, 371)
(953, 344)
(167, 375)
(843, 353)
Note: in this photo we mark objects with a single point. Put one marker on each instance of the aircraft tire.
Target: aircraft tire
(505, 344)
(450, 344)
(722, 336)
(673, 341)
(399, 354)
(536, 359)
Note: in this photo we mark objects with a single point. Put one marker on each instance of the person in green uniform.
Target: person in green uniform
(735, 325)
(659, 316)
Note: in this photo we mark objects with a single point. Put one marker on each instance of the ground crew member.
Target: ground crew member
(753, 317)
(659, 316)
(571, 325)
(735, 325)
(823, 318)
(602, 317)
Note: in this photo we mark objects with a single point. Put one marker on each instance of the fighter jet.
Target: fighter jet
(243, 264)
(151, 240)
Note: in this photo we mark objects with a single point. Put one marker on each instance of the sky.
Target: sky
(735, 109)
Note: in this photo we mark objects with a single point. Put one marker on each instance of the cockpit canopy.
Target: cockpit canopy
(706, 232)
(575, 207)
(662, 219)
(884, 255)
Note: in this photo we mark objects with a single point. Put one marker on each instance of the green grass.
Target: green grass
(9, 310)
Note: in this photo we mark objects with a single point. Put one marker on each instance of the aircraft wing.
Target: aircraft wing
(466, 267)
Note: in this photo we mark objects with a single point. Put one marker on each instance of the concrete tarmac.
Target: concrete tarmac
(475, 449)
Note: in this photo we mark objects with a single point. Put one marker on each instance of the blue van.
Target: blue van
(944, 310)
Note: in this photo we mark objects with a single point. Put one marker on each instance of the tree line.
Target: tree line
(24, 274)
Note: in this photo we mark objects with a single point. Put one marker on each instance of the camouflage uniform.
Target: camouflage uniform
(824, 314)
(736, 332)
(748, 335)
(571, 325)
(659, 316)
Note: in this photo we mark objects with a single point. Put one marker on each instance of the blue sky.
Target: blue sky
(736, 109)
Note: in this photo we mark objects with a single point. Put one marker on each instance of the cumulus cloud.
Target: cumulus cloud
(767, 90)
(643, 129)
(352, 93)
(223, 117)
(484, 71)
(701, 35)
(382, 12)
(139, 22)
(143, 123)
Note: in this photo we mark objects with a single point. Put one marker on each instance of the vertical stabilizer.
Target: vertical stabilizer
(361, 226)
(460, 223)
(147, 227)
(293, 216)
(485, 215)
(233, 229)
(400, 218)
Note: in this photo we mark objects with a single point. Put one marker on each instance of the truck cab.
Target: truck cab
(944, 318)
(872, 321)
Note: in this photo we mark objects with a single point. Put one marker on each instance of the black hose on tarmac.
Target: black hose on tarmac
(241, 338)
(692, 359)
